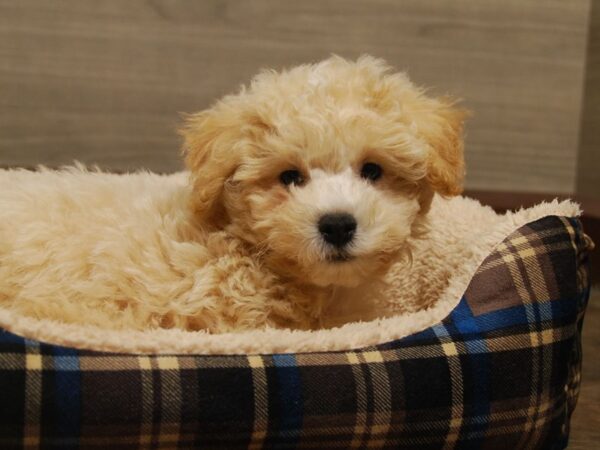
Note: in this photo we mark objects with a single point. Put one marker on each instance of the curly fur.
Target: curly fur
(228, 247)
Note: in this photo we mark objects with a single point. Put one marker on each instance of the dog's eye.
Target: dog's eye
(293, 176)
(371, 171)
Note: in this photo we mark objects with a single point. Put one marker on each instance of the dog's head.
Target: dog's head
(324, 168)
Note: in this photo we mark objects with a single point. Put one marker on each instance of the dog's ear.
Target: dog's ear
(215, 141)
(212, 154)
(439, 123)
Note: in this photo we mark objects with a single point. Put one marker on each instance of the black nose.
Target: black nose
(337, 229)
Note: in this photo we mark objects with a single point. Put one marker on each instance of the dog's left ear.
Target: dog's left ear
(213, 141)
(439, 123)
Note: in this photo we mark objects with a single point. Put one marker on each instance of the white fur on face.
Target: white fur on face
(383, 219)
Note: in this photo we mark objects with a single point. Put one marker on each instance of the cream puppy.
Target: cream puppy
(303, 189)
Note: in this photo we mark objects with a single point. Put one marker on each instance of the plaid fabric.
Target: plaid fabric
(502, 371)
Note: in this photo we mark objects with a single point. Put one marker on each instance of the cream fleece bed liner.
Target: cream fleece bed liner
(476, 230)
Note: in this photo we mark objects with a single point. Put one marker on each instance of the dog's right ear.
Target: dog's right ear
(211, 140)
(439, 123)
(214, 143)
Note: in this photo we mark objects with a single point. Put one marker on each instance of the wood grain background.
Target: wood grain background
(104, 81)
(588, 174)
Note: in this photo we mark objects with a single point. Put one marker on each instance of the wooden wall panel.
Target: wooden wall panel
(588, 173)
(104, 82)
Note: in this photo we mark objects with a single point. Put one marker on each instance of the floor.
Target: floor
(585, 424)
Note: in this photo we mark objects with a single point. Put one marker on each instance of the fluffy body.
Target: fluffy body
(228, 246)
(125, 252)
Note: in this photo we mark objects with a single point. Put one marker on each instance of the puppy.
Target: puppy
(302, 190)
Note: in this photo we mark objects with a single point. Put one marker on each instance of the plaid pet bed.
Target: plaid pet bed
(501, 372)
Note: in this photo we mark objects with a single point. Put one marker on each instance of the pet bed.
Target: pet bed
(493, 363)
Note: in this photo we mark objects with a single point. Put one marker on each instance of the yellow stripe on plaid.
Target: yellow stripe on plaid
(33, 396)
(170, 395)
(382, 397)
(147, 401)
(360, 422)
(167, 363)
(523, 289)
(533, 272)
(144, 362)
(450, 349)
(261, 402)
(456, 388)
(33, 361)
